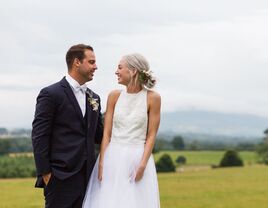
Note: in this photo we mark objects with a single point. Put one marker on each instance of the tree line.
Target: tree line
(179, 143)
(22, 165)
(15, 145)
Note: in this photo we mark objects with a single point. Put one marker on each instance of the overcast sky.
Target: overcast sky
(206, 55)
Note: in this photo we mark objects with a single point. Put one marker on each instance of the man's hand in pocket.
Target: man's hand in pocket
(46, 178)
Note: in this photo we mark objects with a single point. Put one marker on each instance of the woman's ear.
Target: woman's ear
(133, 72)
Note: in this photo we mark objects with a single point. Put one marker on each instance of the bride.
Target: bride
(124, 174)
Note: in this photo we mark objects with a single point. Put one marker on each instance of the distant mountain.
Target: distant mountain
(196, 125)
(206, 123)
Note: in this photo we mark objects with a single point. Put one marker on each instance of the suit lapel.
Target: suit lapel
(89, 111)
(68, 91)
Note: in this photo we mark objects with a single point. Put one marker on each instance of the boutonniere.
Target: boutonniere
(92, 101)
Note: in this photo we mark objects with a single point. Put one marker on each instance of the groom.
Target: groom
(66, 125)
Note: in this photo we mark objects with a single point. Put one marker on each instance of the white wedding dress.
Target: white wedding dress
(118, 188)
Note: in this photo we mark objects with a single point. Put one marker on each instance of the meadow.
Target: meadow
(207, 157)
(244, 187)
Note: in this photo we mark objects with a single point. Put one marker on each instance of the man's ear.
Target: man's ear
(76, 62)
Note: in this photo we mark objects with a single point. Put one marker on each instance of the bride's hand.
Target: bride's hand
(100, 166)
(139, 173)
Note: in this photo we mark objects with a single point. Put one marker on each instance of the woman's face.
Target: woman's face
(123, 73)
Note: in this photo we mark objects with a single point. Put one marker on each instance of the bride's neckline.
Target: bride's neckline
(134, 93)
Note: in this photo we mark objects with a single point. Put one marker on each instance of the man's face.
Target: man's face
(87, 66)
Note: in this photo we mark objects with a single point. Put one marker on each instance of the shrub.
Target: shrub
(181, 160)
(16, 167)
(231, 159)
(165, 164)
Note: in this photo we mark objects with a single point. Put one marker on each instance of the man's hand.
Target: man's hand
(46, 178)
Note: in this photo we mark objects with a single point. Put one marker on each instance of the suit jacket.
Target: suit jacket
(62, 138)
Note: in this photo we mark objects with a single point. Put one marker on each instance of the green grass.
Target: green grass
(20, 193)
(207, 157)
(245, 187)
(219, 188)
(214, 188)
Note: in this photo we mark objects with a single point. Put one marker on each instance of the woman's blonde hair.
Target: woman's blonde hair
(143, 76)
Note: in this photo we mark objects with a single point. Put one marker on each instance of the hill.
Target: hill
(212, 125)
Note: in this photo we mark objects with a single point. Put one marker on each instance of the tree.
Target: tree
(262, 148)
(266, 132)
(165, 164)
(4, 146)
(194, 145)
(3, 131)
(178, 143)
(161, 144)
(231, 159)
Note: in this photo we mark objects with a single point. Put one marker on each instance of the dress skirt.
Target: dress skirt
(118, 188)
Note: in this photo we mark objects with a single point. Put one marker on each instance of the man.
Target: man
(66, 125)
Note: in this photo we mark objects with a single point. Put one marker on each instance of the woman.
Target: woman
(124, 174)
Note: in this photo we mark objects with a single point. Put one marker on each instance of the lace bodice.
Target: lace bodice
(130, 118)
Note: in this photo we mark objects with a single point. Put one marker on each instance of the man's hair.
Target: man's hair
(76, 51)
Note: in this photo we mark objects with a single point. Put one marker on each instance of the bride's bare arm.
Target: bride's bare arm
(154, 105)
(108, 123)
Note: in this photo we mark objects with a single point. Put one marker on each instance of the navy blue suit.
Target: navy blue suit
(63, 140)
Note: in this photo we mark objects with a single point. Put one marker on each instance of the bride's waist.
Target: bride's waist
(127, 140)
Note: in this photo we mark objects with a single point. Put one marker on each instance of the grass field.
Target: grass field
(207, 157)
(245, 187)
(218, 188)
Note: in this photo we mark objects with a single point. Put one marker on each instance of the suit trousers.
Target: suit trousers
(68, 193)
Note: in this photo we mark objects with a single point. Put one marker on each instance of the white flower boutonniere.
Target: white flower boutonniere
(92, 101)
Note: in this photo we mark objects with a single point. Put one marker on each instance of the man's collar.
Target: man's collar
(74, 84)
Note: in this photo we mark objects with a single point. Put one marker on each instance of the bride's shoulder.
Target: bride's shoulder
(154, 100)
(153, 95)
(113, 95)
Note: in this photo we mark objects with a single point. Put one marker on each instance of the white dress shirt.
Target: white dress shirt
(79, 92)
